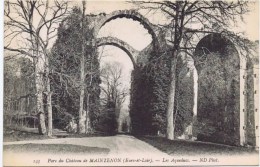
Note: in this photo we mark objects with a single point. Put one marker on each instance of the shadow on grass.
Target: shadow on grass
(22, 136)
(182, 147)
(55, 149)
(25, 134)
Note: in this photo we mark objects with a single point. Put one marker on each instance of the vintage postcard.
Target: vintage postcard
(131, 83)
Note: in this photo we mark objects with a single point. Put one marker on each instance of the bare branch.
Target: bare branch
(19, 50)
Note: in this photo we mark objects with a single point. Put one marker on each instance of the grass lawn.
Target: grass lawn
(182, 147)
(17, 135)
(23, 134)
(55, 149)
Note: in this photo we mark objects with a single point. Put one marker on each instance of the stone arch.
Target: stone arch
(131, 52)
(131, 14)
(214, 43)
(220, 100)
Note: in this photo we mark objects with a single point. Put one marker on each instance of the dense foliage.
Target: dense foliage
(64, 63)
(149, 92)
(19, 92)
(140, 102)
(218, 96)
(108, 119)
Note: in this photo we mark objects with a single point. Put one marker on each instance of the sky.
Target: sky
(250, 26)
(137, 36)
(134, 34)
(131, 32)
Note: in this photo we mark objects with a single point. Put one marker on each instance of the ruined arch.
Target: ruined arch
(220, 100)
(131, 52)
(215, 42)
(131, 14)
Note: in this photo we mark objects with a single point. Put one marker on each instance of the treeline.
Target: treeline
(19, 92)
(65, 62)
(64, 74)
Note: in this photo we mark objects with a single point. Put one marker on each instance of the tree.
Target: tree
(68, 78)
(113, 88)
(211, 16)
(140, 102)
(82, 113)
(113, 92)
(19, 92)
(34, 23)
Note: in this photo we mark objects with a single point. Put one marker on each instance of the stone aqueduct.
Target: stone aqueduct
(131, 52)
(248, 65)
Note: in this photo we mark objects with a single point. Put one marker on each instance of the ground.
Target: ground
(185, 147)
(118, 145)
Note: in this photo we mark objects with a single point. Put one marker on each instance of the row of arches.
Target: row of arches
(221, 76)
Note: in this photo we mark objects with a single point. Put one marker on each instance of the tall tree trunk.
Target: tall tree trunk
(82, 112)
(88, 124)
(88, 121)
(171, 96)
(39, 70)
(49, 94)
(39, 94)
(90, 56)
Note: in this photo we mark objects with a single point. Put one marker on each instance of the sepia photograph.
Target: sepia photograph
(130, 83)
